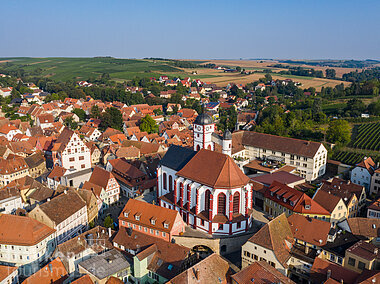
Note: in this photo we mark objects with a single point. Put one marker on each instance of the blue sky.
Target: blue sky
(192, 29)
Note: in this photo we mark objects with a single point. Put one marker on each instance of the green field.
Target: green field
(63, 69)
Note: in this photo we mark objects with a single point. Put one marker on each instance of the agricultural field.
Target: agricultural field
(352, 158)
(221, 78)
(63, 69)
(367, 136)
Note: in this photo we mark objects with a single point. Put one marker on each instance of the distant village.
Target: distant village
(188, 203)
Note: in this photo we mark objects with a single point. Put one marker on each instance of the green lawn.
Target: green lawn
(62, 69)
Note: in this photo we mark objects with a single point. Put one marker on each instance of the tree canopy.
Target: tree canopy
(148, 124)
(339, 131)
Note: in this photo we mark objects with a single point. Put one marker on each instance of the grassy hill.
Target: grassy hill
(62, 69)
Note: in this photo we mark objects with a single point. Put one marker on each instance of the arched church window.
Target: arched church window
(236, 202)
(222, 203)
(170, 183)
(198, 147)
(165, 181)
(207, 200)
(209, 147)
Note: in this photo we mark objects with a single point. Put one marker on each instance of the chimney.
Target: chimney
(65, 191)
(109, 232)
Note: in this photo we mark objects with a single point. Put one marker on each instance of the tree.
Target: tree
(95, 112)
(80, 113)
(339, 131)
(108, 222)
(374, 108)
(148, 124)
(330, 73)
(238, 68)
(268, 77)
(70, 123)
(113, 118)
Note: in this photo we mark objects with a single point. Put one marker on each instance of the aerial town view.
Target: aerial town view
(153, 142)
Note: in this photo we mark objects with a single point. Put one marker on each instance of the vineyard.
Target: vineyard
(367, 137)
(352, 158)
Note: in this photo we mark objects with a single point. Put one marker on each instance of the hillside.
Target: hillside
(63, 69)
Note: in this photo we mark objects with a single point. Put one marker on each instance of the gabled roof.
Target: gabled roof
(5, 271)
(276, 236)
(212, 269)
(321, 267)
(214, 169)
(167, 253)
(310, 230)
(54, 272)
(365, 227)
(21, 230)
(261, 272)
(100, 177)
(368, 164)
(293, 199)
(279, 143)
(326, 199)
(147, 213)
(177, 157)
(63, 206)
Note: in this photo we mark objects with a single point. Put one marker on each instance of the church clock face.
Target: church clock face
(199, 128)
(207, 128)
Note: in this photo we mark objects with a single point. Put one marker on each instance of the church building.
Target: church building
(208, 189)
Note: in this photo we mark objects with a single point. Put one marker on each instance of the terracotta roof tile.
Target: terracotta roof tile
(20, 230)
(262, 272)
(339, 273)
(214, 169)
(5, 271)
(63, 206)
(53, 272)
(278, 143)
(212, 269)
(148, 212)
(310, 230)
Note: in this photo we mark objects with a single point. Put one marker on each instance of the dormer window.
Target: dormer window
(137, 217)
(126, 214)
(166, 225)
(284, 199)
(272, 193)
(291, 203)
(153, 222)
(307, 207)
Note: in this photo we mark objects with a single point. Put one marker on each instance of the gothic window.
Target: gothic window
(236, 202)
(222, 204)
(165, 181)
(170, 183)
(209, 147)
(198, 147)
(207, 200)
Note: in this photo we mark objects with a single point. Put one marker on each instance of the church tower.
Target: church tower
(227, 143)
(203, 128)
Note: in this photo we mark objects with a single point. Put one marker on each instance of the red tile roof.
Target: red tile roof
(21, 230)
(214, 169)
(310, 230)
(147, 213)
(338, 273)
(54, 272)
(5, 271)
(261, 272)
